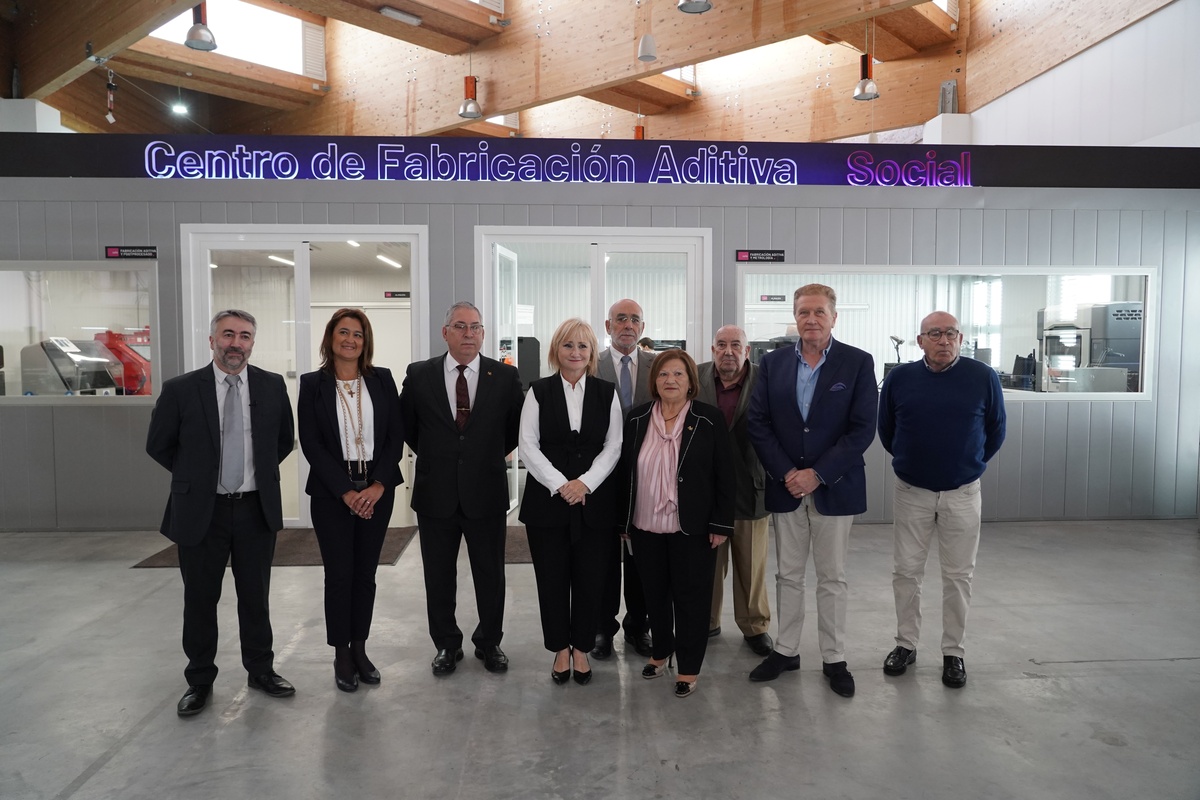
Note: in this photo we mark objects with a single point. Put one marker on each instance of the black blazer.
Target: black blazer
(460, 468)
(185, 437)
(706, 481)
(321, 435)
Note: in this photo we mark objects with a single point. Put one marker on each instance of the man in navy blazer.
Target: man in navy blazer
(224, 506)
(461, 415)
(812, 416)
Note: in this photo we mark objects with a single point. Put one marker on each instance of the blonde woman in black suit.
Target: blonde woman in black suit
(352, 434)
(570, 439)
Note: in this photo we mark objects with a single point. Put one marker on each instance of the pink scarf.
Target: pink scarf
(657, 503)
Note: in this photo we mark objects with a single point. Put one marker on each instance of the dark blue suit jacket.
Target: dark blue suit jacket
(839, 429)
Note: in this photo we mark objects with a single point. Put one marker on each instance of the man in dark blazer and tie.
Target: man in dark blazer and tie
(222, 431)
(461, 416)
(812, 416)
(628, 366)
(727, 382)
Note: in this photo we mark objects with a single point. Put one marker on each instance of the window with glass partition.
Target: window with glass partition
(1044, 330)
(77, 328)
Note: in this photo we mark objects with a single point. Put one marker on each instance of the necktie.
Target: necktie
(626, 384)
(462, 399)
(233, 443)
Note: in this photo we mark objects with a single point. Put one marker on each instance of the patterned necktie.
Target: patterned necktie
(233, 442)
(626, 384)
(462, 398)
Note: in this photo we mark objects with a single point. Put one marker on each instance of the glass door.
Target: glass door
(505, 314)
(262, 279)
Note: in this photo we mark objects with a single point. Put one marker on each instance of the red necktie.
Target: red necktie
(462, 399)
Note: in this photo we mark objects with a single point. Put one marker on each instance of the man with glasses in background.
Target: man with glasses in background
(628, 366)
(461, 413)
(942, 419)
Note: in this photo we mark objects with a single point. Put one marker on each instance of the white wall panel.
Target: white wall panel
(1063, 460)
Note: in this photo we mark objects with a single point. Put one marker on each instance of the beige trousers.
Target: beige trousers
(748, 547)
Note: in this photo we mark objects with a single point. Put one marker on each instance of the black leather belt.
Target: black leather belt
(237, 495)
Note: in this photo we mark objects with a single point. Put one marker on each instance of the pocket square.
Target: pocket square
(837, 387)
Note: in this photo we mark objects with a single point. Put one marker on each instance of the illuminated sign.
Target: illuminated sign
(583, 162)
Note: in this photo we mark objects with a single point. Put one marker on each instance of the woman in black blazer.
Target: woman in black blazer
(570, 439)
(677, 486)
(352, 434)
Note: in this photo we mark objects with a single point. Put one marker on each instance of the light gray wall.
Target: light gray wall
(1062, 460)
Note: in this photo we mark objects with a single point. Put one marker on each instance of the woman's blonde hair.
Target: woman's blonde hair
(574, 329)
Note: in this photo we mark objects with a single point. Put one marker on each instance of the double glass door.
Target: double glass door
(293, 286)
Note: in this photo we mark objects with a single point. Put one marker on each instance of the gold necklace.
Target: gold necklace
(358, 438)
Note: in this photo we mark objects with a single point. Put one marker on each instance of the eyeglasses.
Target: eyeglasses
(623, 318)
(462, 327)
(936, 335)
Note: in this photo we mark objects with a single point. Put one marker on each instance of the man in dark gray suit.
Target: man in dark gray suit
(628, 366)
(461, 414)
(223, 442)
(727, 382)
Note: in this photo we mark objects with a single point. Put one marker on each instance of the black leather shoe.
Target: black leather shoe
(713, 632)
(272, 684)
(762, 644)
(366, 670)
(774, 665)
(641, 642)
(193, 701)
(898, 660)
(840, 679)
(344, 674)
(954, 672)
(493, 657)
(446, 661)
(603, 648)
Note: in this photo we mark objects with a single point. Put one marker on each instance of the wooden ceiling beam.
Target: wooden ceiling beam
(450, 27)
(54, 37)
(648, 96)
(897, 34)
(209, 72)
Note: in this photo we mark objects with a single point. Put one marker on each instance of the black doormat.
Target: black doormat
(297, 547)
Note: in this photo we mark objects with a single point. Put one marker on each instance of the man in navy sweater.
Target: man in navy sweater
(942, 419)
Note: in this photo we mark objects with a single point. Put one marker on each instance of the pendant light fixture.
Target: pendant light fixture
(866, 88)
(470, 108)
(694, 6)
(199, 37)
(647, 49)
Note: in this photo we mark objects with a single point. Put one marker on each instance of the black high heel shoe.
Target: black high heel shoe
(584, 678)
(560, 678)
(362, 665)
(344, 674)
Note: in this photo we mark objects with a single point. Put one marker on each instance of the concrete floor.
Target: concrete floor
(1083, 656)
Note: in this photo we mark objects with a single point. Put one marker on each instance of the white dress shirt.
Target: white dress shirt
(472, 374)
(350, 424)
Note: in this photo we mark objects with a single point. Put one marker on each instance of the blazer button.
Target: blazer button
(806, 430)
(461, 437)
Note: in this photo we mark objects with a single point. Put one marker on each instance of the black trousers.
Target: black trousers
(237, 535)
(350, 547)
(440, 542)
(677, 576)
(568, 565)
(617, 557)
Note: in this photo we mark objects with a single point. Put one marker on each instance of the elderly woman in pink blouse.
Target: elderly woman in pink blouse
(677, 508)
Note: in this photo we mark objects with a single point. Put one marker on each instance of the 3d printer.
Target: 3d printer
(1097, 348)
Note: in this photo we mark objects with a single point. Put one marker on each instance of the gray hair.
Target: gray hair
(460, 305)
(231, 312)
